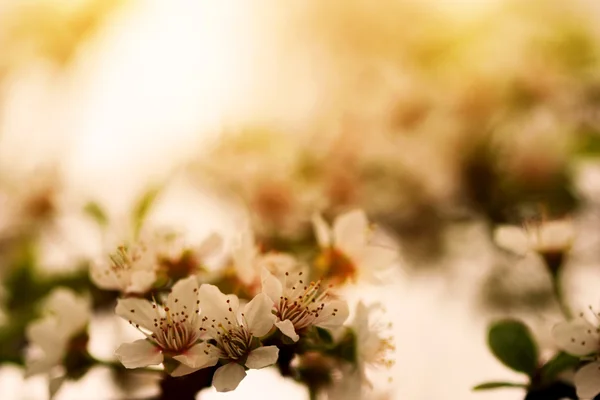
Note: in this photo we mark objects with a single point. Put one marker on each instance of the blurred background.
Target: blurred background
(442, 119)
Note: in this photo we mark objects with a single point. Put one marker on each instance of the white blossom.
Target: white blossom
(581, 338)
(348, 252)
(173, 330)
(65, 315)
(235, 332)
(299, 304)
(541, 237)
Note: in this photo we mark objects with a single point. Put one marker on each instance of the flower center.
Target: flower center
(234, 343)
(300, 303)
(175, 332)
(336, 266)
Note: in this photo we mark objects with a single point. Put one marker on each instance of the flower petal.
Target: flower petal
(287, 328)
(350, 231)
(184, 296)
(262, 357)
(587, 380)
(334, 314)
(199, 356)
(141, 281)
(138, 311)
(72, 310)
(512, 238)
(373, 257)
(322, 231)
(210, 246)
(228, 377)
(271, 286)
(215, 305)
(577, 337)
(140, 353)
(259, 315)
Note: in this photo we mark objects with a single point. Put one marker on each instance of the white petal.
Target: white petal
(334, 314)
(141, 281)
(271, 286)
(138, 311)
(228, 377)
(184, 296)
(577, 337)
(46, 334)
(373, 257)
(262, 357)
(259, 315)
(557, 234)
(199, 356)
(322, 231)
(587, 381)
(512, 238)
(72, 310)
(287, 328)
(104, 278)
(211, 245)
(350, 231)
(140, 353)
(215, 305)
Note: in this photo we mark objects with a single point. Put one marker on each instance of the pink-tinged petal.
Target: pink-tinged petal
(138, 311)
(287, 328)
(333, 315)
(228, 377)
(138, 354)
(184, 296)
(587, 381)
(271, 286)
(512, 238)
(215, 305)
(262, 357)
(322, 231)
(199, 356)
(141, 281)
(577, 337)
(259, 315)
(350, 231)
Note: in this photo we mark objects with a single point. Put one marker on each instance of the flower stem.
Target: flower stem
(558, 294)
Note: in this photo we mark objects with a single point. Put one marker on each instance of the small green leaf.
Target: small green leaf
(142, 208)
(498, 385)
(557, 364)
(324, 335)
(512, 344)
(94, 210)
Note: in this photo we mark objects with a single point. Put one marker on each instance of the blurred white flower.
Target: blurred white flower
(348, 253)
(66, 315)
(374, 348)
(130, 269)
(248, 261)
(173, 330)
(581, 338)
(299, 304)
(236, 332)
(543, 237)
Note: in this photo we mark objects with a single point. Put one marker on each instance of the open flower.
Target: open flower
(173, 330)
(130, 269)
(65, 316)
(542, 237)
(348, 253)
(299, 304)
(235, 333)
(581, 338)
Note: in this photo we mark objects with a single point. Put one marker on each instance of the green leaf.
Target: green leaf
(557, 364)
(142, 208)
(512, 344)
(324, 335)
(498, 385)
(94, 210)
